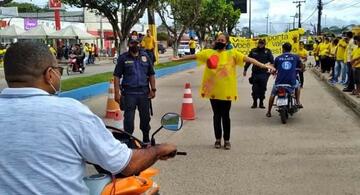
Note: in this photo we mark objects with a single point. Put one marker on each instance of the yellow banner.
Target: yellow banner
(274, 43)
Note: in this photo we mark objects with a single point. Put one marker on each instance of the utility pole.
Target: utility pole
(267, 24)
(249, 18)
(299, 6)
(294, 20)
(320, 7)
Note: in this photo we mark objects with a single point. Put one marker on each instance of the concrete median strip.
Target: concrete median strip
(352, 102)
(84, 93)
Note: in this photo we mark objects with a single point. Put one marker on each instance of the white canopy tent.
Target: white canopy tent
(11, 32)
(71, 32)
(39, 32)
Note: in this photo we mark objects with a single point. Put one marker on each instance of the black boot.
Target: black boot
(254, 105)
(261, 105)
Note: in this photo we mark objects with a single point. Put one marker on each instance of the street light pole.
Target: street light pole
(267, 24)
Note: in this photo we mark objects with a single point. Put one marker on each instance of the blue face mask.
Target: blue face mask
(56, 92)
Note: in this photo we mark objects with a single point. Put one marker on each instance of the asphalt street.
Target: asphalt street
(98, 67)
(316, 152)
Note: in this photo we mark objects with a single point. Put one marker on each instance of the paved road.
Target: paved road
(98, 67)
(317, 152)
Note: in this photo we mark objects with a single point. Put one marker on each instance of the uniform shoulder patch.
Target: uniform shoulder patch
(144, 58)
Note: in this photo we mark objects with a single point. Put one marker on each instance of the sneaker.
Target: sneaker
(217, 144)
(332, 82)
(227, 145)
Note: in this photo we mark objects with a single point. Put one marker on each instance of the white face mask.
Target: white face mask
(56, 92)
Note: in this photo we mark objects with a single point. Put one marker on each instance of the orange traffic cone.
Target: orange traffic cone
(112, 107)
(187, 111)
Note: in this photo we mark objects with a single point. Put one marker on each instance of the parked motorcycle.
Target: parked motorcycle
(73, 66)
(142, 183)
(285, 102)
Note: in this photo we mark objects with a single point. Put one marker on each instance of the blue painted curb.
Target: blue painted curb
(84, 93)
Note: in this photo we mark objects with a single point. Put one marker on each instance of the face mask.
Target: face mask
(134, 49)
(219, 45)
(56, 92)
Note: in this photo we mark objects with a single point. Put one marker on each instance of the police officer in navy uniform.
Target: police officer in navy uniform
(259, 76)
(137, 86)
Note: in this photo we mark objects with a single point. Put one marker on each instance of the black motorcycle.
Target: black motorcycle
(285, 102)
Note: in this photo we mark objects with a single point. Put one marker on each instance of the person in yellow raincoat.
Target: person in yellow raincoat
(219, 83)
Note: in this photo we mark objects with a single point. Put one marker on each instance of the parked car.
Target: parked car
(161, 48)
(185, 50)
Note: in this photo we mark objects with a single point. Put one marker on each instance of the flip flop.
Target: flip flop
(268, 114)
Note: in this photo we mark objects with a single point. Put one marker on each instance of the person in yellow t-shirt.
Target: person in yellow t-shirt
(332, 58)
(192, 45)
(2, 54)
(303, 54)
(52, 50)
(219, 83)
(86, 51)
(316, 52)
(348, 51)
(148, 43)
(355, 63)
(324, 52)
(340, 66)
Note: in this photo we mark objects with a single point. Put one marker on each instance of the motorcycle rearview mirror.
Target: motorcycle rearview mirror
(171, 122)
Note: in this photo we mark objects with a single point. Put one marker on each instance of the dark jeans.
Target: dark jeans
(325, 63)
(192, 51)
(259, 86)
(142, 103)
(151, 55)
(332, 67)
(350, 83)
(221, 110)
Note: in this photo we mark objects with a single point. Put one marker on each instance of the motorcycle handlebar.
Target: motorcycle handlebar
(173, 154)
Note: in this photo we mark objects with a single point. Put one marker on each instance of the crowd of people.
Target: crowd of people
(89, 51)
(33, 76)
(339, 56)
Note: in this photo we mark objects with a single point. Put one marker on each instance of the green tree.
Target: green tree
(182, 13)
(25, 7)
(217, 15)
(4, 2)
(231, 18)
(162, 36)
(130, 10)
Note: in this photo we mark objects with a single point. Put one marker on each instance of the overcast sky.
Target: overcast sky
(336, 12)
